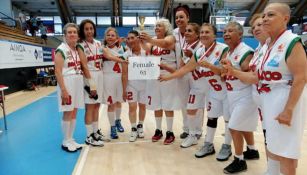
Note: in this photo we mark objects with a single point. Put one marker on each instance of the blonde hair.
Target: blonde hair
(107, 31)
(254, 18)
(167, 25)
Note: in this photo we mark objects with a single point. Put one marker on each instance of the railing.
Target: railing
(7, 20)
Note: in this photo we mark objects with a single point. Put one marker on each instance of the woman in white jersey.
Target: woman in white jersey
(194, 122)
(94, 53)
(70, 84)
(182, 19)
(251, 77)
(282, 86)
(208, 80)
(161, 95)
(113, 88)
(243, 111)
(134, 90)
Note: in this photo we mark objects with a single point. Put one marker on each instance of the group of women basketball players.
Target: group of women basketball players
(197, 72)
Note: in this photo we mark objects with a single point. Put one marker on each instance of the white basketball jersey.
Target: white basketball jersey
(93, 53)
(180, 42)
(72, 64)
(237, 57)
(167, 56)
(111, 66)
(273, 67)
(218, 88)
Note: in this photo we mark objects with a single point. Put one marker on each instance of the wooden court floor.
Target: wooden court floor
(146, 158)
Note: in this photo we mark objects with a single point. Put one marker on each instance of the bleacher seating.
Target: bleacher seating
(10, 33)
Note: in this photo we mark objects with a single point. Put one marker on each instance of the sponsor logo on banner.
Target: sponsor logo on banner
(143, 68)
(48, 54)
(15, 54)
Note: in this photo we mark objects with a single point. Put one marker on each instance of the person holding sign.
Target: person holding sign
(161, 95)
(134, 90)
(113, 89)
(70, 84)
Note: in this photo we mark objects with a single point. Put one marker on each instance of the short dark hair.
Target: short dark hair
(136, 33)
(81, 31)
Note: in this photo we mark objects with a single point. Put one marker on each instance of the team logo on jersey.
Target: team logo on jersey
(274, 62)
(120, 52)
(216, 63)
(281, 48)
(217, 54)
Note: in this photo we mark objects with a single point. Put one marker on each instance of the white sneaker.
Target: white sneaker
(133, 135)
(92, 140)
(140, 131)
(205, 150)
(69, 146)
(189, 141)
(77, 145)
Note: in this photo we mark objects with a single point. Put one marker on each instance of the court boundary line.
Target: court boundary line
(82, 161)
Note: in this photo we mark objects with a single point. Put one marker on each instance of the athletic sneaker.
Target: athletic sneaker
(236, 166)
(205, 150)
(140, 131)
(170, 138)
(224, 153)
(158, 135)
(133, 135)
(189, 141)
(69, 146)
(184, 135)
(77, 145)
(113, 133)
(251, 154)
(92, 140)
(101, 137)
(119, 126)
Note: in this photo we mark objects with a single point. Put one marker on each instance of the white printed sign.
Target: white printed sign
(14, 54)
(143, 68)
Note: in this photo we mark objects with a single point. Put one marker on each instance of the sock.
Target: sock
(158, 122)
(273, 167)
(198, 121)
(89, 130)
(65, 130)
(185, 127)
(133, 125)
(252, 147)
(169, 123)
(95, 126)
(72, 128)
(228, 137)
(111, 118)
(141, 122)
(210, 134)
(118, 112)
(239, 156)
(191, 124)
